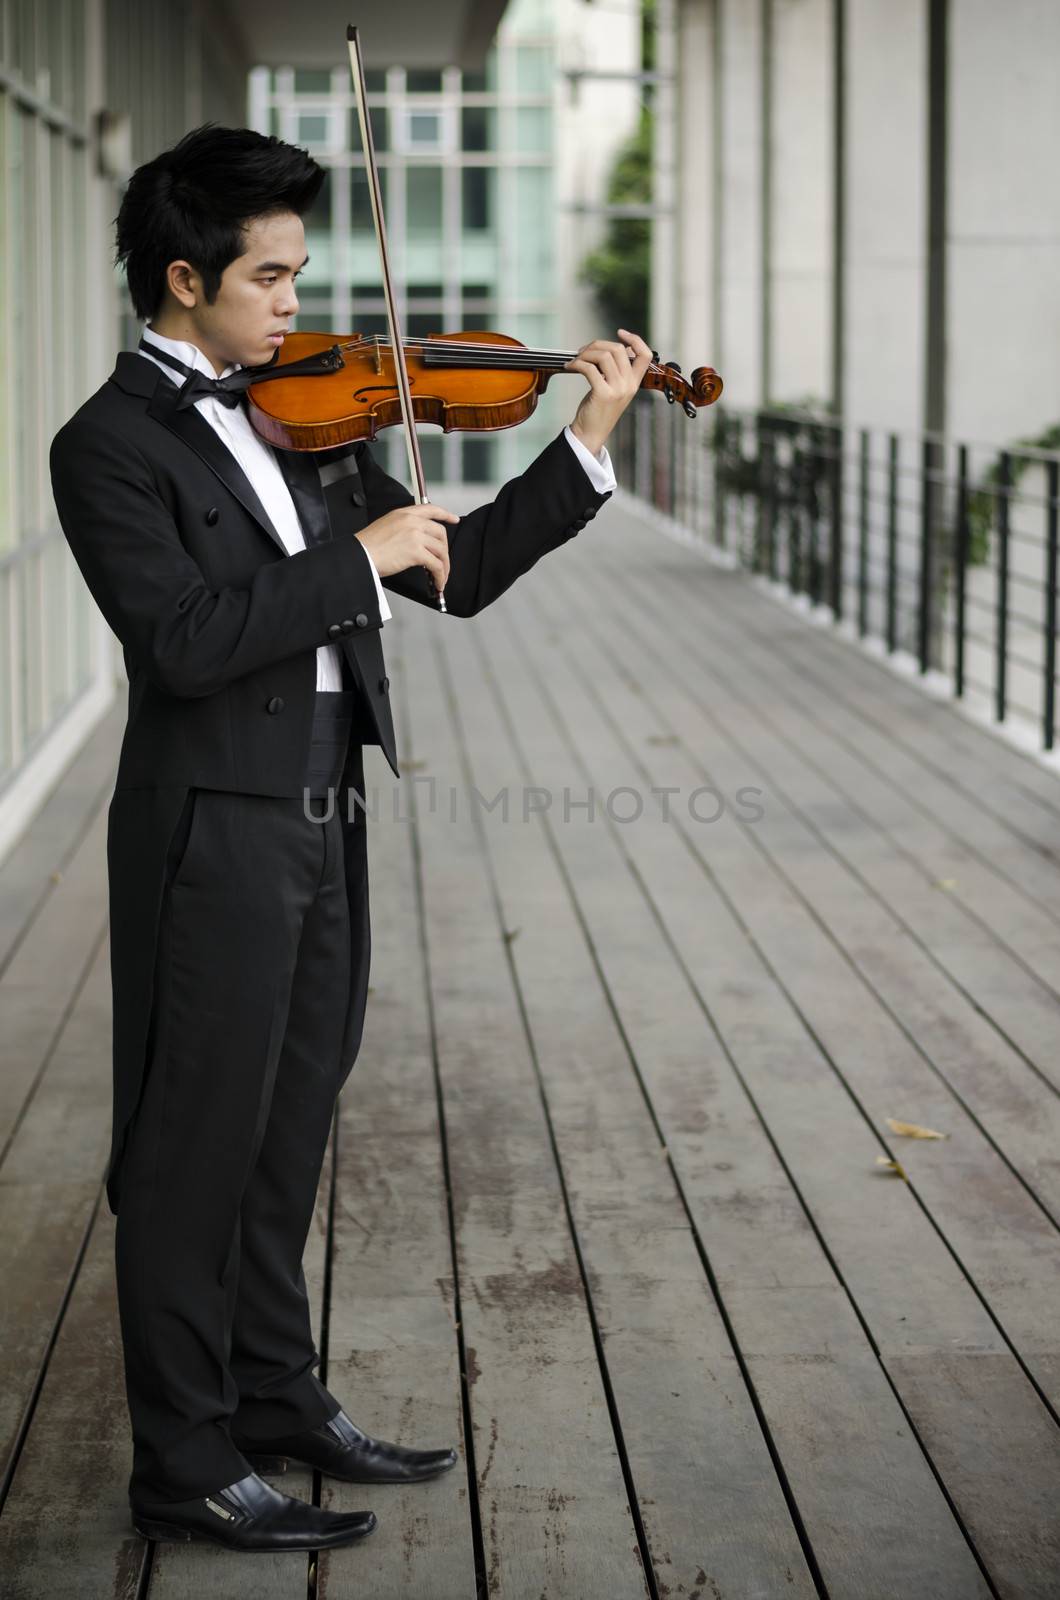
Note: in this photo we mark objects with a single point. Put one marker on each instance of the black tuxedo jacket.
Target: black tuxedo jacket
(220, 628)
(219, 624)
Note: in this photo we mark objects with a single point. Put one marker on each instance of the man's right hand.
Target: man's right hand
(411, 536)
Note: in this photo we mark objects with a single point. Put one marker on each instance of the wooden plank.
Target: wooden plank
(815, 1374)
(1013, 787)
(876, 912)
(1009, 1247)
(65, 1528)
(553, 1507)
(910, 1292)
(393, 1354)
(65, 1532)
(708, 1491)
(1001, 882)
(46, 971)
(48, 1190)
(28, 872)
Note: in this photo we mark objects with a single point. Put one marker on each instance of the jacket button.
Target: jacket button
(358, 497)
(346, 625)
(361, 620)
(213, 516)
(590, 512)
(384, 685)
(274, 705)
(334, 631)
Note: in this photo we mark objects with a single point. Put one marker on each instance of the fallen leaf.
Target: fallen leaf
(892, 1166)
(912, 1130)
(944, 883)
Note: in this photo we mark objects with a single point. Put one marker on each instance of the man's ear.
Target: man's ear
(184, 284)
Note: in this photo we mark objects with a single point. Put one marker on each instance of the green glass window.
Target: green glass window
(478, 187)
(424, 199)
(312, 80)
(478, 128)
(533, 69)
(423, 81)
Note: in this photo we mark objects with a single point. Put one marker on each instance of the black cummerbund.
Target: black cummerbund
(333, 715)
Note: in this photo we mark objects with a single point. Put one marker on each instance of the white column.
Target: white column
(665, 234)
(1003, 319)
(800, 85)
(885, 203)
(695, 333)
(740, 175)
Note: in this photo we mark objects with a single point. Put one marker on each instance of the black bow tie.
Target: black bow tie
(197, 386)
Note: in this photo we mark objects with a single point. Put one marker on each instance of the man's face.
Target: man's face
(256, 300)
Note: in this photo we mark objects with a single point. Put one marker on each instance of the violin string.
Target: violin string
(519, 355)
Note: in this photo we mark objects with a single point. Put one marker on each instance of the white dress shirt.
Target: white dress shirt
(258, 461)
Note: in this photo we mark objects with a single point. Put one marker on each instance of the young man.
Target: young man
(247, 588)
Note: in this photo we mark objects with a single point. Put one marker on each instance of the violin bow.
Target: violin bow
(401, 371)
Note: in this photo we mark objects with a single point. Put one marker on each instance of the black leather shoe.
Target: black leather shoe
(341, 1450)
(251, 1515)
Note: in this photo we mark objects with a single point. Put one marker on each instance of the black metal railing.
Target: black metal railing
(944, 550)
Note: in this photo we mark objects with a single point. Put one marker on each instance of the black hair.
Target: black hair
(194, 202)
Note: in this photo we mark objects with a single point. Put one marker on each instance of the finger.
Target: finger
(639, 346)
(591, 371)
(436, 513)
(437, 544)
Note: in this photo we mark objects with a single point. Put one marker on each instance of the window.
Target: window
(422, 128)
(424, 199)
(476, 459)
(477, 189)
(312, 128)
(478, 128)
(533, 70)
(420, 81)
(314, 309)
(319, 214)
(311, 80)
(379, 119)
(360, 201)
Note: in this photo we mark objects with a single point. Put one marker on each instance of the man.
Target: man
(247, 588)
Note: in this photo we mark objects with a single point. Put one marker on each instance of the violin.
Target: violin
(345, 388)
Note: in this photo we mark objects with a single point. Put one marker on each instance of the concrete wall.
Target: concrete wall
(757, 158)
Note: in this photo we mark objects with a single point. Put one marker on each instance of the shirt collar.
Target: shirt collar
(189, 353)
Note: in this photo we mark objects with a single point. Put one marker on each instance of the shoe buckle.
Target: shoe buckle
(220, 1510)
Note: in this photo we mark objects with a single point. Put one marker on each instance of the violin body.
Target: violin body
(320, 411)
(497, 388)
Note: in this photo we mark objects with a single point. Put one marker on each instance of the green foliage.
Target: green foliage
(619, 270)
(982, 501)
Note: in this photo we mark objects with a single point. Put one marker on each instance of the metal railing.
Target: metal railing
(944, 550)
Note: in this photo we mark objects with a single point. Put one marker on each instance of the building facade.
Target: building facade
(872, 222)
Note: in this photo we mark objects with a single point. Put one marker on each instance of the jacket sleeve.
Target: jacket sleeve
(490, 547)
(189, 639)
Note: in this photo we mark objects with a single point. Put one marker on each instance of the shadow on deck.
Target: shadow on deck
(614, 1177)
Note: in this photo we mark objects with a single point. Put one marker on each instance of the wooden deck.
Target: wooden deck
(605, 1201)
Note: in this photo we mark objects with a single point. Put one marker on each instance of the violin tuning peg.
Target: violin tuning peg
(668, 392)
(674, 367)
(655, 357)
(689, 409)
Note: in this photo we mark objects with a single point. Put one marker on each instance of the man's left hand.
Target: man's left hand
(614, 372)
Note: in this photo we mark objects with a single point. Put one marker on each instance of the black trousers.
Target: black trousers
(259, 1003)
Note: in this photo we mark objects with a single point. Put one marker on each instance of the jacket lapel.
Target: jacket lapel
(302, 476)
(197, 434)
